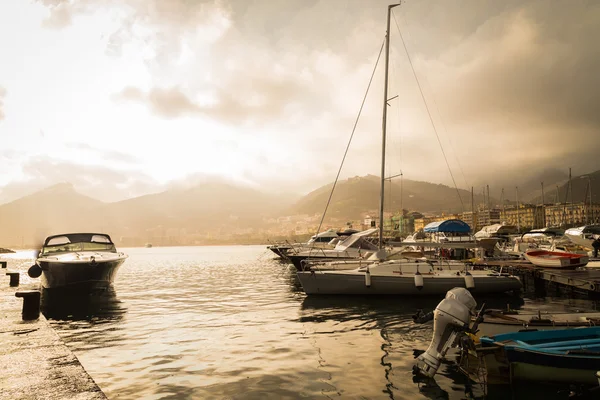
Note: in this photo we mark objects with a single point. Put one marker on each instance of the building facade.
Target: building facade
(573, 214)
(525, 216)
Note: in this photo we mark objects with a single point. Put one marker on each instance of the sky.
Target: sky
(127, 97)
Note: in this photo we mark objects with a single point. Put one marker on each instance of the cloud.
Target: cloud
(100, 182)
(259, 100)
(512, 85)
(108, 155)
(2, 95)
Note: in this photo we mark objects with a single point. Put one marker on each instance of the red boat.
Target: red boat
(556, 259)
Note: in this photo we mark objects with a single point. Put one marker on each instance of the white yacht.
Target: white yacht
(583, 235)
(356, 246)
(405, 277)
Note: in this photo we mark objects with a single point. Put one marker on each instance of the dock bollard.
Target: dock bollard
(3, 264)
(31, 304)
(14, 278)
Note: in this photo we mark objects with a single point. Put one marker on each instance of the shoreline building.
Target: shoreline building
(572, 214)
(480, 218)
(524, 216)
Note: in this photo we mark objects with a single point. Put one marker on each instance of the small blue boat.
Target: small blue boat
(565, 355)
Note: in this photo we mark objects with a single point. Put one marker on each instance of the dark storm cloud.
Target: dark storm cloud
(2, 95)
(516, 82)
(96, 181)
(255, 99)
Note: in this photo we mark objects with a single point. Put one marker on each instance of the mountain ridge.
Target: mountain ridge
(211, 210)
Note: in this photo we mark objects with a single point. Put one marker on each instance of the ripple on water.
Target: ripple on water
(230, 322)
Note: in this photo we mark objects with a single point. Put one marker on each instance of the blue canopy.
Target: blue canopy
(449, 225)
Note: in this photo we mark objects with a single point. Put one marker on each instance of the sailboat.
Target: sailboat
(399, 277)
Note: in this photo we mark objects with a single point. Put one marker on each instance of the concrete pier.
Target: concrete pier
(34, 361)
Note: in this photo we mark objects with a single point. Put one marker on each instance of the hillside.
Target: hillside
(208, 207)
(57, 208)
(211, 212)
(580, 190)
(359, 194)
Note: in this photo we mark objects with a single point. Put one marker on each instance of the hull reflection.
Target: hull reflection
(81, 304)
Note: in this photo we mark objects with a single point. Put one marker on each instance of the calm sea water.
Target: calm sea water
(231, 322)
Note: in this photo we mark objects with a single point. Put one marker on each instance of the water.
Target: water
(231, 322)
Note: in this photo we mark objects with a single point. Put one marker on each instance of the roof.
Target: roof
(449, 225)
(78, 237)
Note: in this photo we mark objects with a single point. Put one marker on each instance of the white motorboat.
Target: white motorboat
(404, 277)
(583, 235)
(77, 261)
(355, 247)
(321, 240)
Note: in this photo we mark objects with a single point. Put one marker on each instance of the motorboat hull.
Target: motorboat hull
(316, 282)
(79, 275)
(297, 260)
(279, 250)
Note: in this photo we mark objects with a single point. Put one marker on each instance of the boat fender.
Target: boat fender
(368, 278)
(469, 281)
(93, 260)
(418, 280)
(34, 271)
(592, 287)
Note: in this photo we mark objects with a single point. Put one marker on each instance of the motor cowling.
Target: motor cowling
(451, 317)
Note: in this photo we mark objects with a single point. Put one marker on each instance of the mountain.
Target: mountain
(354, 196)
(205, 208)
(208, 206)
(531, 189)
(213, 212)
(579, 190)
(58, 208)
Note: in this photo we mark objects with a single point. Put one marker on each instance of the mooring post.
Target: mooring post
(31, 304)
(14, 278)
(3, 264)
(539, 284)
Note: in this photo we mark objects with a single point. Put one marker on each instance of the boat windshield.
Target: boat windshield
(72, 243)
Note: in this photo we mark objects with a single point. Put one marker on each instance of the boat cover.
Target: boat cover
(448, 226)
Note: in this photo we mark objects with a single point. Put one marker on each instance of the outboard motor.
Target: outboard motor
(451, 318)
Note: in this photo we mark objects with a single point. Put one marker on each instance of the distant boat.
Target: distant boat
(77, 261)
(148, 245)
(556, 259)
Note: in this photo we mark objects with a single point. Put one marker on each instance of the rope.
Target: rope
(350, 140)
(429, 113)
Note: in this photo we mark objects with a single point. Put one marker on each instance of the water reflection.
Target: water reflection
(77, 305)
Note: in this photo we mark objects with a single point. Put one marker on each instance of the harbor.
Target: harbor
(261, 200)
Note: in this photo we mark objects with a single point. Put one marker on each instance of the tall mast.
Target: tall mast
(518, 207)
(571, 194)
(591, 205)
(384, 121)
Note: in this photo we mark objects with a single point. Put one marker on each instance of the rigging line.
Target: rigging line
(429, 113)
(351, 136)
(443, 125)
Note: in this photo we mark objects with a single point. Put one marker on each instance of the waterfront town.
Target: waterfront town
(396, 224)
